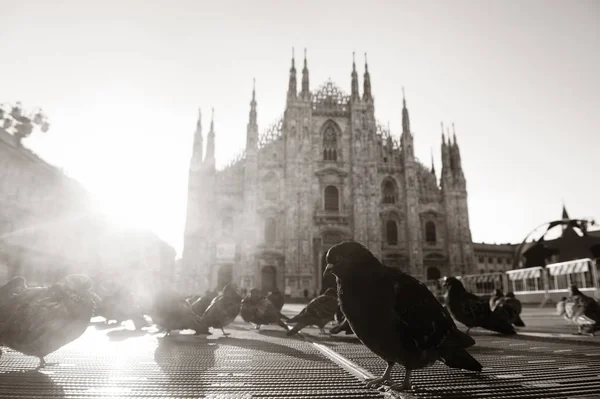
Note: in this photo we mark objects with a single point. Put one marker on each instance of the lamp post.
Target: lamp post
(20, 123)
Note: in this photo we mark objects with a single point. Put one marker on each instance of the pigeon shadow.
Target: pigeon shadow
(268, 347)
(22, 383)
(186, 364)
(123, 334)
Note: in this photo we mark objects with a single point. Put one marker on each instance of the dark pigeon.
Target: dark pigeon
(120, 306)
(318, 312)
(473, 311)
(171, 312)
(277, 299)
(260, 311)
(512, 307)
(223, 309)
(38, 321)
(395, 315)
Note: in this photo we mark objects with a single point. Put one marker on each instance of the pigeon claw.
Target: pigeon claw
(376, 382)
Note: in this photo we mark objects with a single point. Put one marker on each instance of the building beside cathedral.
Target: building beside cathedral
(324, 173)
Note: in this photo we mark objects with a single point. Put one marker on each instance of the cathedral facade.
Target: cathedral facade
(326, 172)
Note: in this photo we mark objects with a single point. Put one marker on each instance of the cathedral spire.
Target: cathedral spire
(367, 96)
(354, 85)
(210, 142)
(405, 118)
(252, 128)
(292, 89)
(432, 163)
(198, 139)
(305, 86)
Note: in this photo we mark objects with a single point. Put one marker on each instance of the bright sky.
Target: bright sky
(122, 81)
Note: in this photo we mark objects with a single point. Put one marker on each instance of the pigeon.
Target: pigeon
(171, 311)
(585, 311)
(495, 298)
(223, 309)
(572, 310)
(200, 305)
(395, 315)
(120, 306)
(258, 310)
(319, 312)
(38, 321)
(277, 299)
(473, 311)
(512, 307)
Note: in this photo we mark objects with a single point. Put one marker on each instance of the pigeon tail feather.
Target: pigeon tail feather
(459, 358)
(499, 325)
(460, 340)
(519, 322)
(296, 328)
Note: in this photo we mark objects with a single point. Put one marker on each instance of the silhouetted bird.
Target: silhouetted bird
(318, 312)
(473, 311)
(585, 311)
(171, 311)
(277, 299)
(572, 310)
(258, 310)
(38, 321)
(495, 298)
(223, 309)
(512, 307)
(395, 315)
(120, 306)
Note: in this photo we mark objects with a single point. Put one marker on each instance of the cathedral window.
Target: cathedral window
(330, 144)
(270, 230)
(430, 233)
(332, 198)
(391, 232)
(389, 192)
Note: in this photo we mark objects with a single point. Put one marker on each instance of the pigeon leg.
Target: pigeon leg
(43, 363)
(468, 329)
(224, 333)
(282, 325)
(374, 382)
(405, 384)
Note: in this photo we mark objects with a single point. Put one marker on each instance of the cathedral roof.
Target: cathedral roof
(330, 94)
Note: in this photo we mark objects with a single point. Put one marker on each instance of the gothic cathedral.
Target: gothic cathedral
(325, 173)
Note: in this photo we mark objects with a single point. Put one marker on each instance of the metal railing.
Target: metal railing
(534, 285)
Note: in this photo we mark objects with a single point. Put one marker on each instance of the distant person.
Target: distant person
(306, 295)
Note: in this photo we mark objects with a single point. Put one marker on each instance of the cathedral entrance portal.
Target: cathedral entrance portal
(433, 273)
(268, 279)
(225, 276)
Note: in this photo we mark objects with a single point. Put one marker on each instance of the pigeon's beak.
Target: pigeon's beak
(328, 269)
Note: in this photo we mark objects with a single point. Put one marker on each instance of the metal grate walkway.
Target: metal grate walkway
(247, 364)
(117, 364)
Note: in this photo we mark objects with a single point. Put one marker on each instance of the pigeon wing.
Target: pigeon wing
(421, 320)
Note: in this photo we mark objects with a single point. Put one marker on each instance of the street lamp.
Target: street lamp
(20, 123)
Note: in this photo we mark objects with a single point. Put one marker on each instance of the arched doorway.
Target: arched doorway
(225, 276)
(268, 279)
(433, 273)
